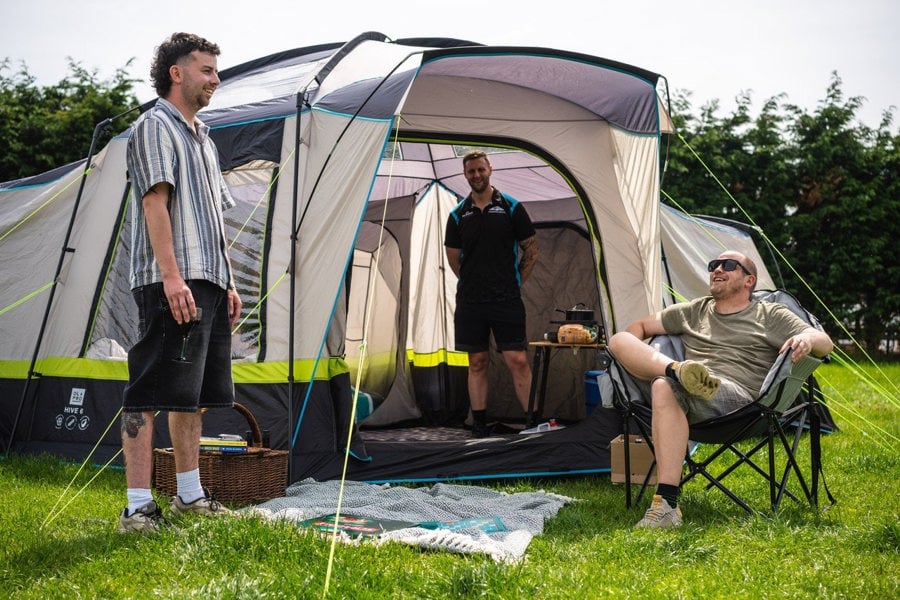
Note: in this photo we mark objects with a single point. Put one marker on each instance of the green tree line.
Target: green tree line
(823, 188)
(44, 127)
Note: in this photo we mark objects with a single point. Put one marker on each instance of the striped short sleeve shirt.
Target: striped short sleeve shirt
(163, 147)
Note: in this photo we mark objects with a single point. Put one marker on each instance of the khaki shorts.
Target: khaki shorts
(729, 398)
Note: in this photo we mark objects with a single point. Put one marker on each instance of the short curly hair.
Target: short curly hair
(177, 46)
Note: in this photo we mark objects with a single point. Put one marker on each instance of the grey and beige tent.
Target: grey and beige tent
(344, 160)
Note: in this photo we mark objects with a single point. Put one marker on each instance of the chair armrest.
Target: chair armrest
(783, 367)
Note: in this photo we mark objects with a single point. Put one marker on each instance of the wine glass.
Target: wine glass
(186, 328)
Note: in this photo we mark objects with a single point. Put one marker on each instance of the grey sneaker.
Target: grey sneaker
(660, 515)
(146, 519)
(207, 505)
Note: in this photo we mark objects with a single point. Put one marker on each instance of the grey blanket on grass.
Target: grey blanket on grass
(522, 514)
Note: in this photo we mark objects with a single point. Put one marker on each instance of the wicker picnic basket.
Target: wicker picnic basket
(258, 475)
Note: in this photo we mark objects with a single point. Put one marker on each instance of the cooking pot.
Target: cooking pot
(579, 312)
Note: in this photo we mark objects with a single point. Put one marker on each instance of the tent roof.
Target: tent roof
(267, 87)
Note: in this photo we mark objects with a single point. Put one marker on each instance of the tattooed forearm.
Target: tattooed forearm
(132, 423)
(529, 256)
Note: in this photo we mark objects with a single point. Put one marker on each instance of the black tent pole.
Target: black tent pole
(98, 130)
(772, 255)
(292, 271)
(665, 265)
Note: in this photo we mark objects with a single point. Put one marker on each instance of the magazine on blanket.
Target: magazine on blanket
(485, 524)
(353, 526)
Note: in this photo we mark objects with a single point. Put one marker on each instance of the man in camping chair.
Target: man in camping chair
(730, 342)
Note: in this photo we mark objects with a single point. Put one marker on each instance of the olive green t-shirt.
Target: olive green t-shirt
(740, 346)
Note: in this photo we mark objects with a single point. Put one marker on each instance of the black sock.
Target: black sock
(669, 493)
(670, 372)
(480, 416)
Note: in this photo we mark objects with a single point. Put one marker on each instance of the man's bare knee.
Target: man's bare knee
(478, 362)
(662, 394)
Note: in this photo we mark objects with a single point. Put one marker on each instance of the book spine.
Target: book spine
(219, 443)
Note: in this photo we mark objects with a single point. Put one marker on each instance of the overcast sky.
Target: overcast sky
(714, 49)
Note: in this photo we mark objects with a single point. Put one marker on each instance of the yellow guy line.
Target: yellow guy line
(27, 297)
(51, 515)
(44, 205)
(265, 195)
(361, 365)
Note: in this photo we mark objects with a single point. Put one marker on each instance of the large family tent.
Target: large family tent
(345, 160)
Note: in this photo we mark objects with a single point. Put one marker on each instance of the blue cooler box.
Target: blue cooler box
(591, 390)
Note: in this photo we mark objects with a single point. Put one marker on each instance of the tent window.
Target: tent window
(115, 327)
(461, 151)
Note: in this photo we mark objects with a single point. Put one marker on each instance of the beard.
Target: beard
(481, 186)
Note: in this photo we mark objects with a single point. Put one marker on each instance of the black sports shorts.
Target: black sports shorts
(475, 321)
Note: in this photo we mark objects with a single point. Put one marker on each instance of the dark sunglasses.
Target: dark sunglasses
(727, 264)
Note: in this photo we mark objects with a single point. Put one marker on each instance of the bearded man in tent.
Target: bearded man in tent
(492, 248)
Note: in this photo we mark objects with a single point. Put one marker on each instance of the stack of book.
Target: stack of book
(223, 443)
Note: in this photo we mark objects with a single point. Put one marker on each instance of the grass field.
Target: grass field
(590, 550)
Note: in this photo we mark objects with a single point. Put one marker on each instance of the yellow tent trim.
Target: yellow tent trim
(433, 359)
(117, 370)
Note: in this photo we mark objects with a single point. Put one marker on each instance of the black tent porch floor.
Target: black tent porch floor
(444, 453)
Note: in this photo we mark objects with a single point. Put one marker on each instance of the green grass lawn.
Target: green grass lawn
(590, 550)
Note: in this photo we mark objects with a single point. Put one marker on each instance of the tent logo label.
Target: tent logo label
(77, 397)
(72, 416)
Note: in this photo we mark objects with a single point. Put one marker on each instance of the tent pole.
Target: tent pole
(303, 100)
(665, 264)
(772, 255)
(292, 270)
(98, 130)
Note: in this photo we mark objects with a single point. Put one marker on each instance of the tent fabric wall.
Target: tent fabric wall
(587, 134)
(30, 213)
(691, 241)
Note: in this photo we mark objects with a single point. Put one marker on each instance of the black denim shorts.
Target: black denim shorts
(173, 369)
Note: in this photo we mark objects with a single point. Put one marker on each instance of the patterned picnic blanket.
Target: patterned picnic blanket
(456, 518)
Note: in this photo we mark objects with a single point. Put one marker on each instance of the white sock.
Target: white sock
(189, 488)
(138, 498)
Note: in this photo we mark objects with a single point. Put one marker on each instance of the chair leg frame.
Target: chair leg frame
(644, 430)
(778, 486)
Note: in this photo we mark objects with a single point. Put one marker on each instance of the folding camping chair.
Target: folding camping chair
(783, 404)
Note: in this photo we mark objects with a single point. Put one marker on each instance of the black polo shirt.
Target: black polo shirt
(489, 247)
